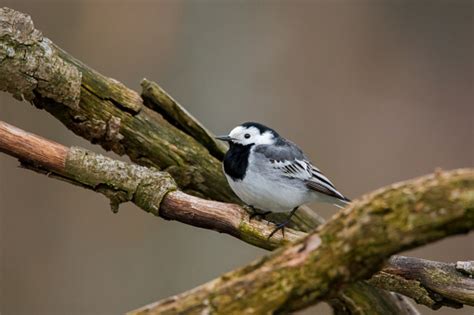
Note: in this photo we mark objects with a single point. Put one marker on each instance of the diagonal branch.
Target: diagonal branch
(157, 132)
(103, 110)
(151, 190)
(155, 192)
(160, 134)
(106, 112)
(350, 247)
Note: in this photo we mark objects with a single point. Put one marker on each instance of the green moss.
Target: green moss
(119, 181)
(251, 235)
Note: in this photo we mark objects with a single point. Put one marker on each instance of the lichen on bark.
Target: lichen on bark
(158, 99)
(351, 246)
(119, 181)
(29, 64)
(114, 116)
(101, 109)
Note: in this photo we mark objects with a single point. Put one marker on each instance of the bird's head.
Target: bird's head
(250, 133)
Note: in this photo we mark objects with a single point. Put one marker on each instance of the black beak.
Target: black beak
(225, 138)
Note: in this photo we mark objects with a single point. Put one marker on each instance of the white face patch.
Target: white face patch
(251, 135)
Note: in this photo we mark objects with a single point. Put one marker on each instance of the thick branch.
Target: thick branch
(158, 132)
(122, 182)
(106, 112)
(154, 192)
(151, 190)
(350, 247)
(103, 110)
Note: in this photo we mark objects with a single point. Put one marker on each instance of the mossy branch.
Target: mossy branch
(152, 190)
(160, 134)
(157, 132)
(344, 240)
(102, 110)
(351, 246)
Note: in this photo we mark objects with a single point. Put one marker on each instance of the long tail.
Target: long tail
(342, 203)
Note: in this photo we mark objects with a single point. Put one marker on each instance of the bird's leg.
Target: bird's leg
(281, 226)
(256, 213)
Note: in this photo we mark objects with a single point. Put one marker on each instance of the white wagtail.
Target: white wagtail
(269, 172)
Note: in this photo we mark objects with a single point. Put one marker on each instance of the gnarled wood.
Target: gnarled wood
(154, 192)
(101, 109)
(350, 247)
(106, 112)
(151, 190)
(431, 283)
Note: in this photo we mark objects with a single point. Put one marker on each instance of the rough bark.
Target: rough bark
(350, 247)
(431, 283)
(155, 192)
(342, 251)
(105, 112)
(102, 110)
(152, 190)
(360, 299)
(160, 134)
(159, 100)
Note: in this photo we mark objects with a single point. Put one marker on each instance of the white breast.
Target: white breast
(265, 188)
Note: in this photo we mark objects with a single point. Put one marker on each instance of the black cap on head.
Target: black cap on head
(260, 127)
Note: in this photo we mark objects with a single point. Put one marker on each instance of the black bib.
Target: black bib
(236, 160)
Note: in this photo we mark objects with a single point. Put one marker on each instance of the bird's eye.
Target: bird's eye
(246, 136)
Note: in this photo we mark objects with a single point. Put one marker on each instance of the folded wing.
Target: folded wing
(290, 160)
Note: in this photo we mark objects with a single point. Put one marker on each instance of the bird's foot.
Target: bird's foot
(256, 213)
(280, 226)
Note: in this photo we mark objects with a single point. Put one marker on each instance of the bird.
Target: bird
(268, 172)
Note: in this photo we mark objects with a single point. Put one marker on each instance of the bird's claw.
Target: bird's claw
(281, 227)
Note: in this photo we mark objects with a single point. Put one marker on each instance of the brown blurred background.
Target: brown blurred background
(374, 91)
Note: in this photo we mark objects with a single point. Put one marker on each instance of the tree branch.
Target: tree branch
(155, 192)
(431, 283)
(102, 110)
(151, 190)
(106, 112)
(359, 298)
(350, 247)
